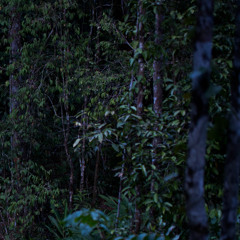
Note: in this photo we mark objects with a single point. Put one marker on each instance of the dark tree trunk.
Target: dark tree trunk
(15, 79)
(120, 192)
(96, 176)
(194, 181)
(99, 14)
(140, 77)
(137, 217)
(231, 180)
(66, 132)
(157, 85)
(65, 111)
(82, 158)
(140, 59)
(15, 53)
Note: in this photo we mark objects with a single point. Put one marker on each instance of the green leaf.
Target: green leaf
(120, 124)
(144, 170)
(107, 113)
(134, 44)
(102, 125)
(100, 137)
(131, 61)
(115, 147)
(142, 236)
(145, 55)
(230, 64)
(56, 224)
(76, 142)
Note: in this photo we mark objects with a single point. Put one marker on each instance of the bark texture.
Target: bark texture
(231, 180)
(194, 181)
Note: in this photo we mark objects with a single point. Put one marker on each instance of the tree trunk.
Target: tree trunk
(231, 180)
(15, 79)
(140, 59)
(157, 84)
(82, 160)
(120, 192)
(65, 111)
(66, 131)
(96, 176)
(99, 14)
(140, 78)
(194, 181)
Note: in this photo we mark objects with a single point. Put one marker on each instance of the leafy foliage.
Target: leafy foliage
(78, 67)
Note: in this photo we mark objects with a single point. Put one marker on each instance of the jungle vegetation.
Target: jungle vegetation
(119, 119)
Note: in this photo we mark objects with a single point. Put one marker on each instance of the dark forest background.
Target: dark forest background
(95, 112)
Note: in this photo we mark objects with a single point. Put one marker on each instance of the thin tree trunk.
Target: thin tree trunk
(140, 32)
(83, 164)
(69, 159)
(120, 192)
(231, 180)
(83, 161)
(157, 82)
(157, 85)
(96, 176)
(137, 214)
(122, 6)
(15, 79)
(194, 180)
(15, 47)
(99, 13)
(140, 59)
(66, 130)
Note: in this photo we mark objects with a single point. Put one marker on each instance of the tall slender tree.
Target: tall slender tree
(194, 180)
(231, 180)
(15, 78)
(140, 77)
(140, 32)
(82, 159)
(157, 82)
(65, 106)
